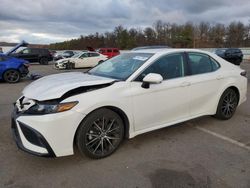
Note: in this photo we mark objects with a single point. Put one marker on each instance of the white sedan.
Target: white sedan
(81, 60)
(130, 94)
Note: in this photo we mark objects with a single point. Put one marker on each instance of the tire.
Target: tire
(100, 134)
(12, 76)
(100, 62)
(44, 61)
(227, 104)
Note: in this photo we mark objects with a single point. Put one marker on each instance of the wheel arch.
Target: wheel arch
(231, 86)
(115, 109)
(10, 69)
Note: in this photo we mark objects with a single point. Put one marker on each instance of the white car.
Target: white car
(130, 94)
(81, 60)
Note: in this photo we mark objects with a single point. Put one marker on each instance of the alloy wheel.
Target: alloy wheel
(103, 136)
(12, 76)
(229, 104)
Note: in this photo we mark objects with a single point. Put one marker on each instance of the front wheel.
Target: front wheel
(100, 134)
(227, 104)
(44, 61)
(12, 76)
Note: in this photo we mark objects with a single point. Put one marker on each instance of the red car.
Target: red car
(110, 52)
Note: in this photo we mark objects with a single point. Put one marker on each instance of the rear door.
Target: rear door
(205, 82)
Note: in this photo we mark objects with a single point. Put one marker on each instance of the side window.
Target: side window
(201, 63)
(35, 51)
(26, 51)
(116, 51)
(84, 55)
(109, 51)
(170, 66)
(215, 64)
(93, 54)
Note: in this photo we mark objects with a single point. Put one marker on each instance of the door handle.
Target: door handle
(219, 77)
(184, 84)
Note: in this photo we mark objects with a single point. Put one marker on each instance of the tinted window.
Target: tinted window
(45, 51)
(116, 51)
(93, 54)
(170, 66)
(36, 51)
(215, 65)
(109, 50)
(220, 51)
(84, 55)
(201, 63)
(69, 52)
(26, 51)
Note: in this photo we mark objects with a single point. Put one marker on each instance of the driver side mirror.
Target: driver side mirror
(151, 78)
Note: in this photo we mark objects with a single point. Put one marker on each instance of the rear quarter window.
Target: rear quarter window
(201, 63)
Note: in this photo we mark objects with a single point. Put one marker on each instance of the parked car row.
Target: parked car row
(14, 64)
(79, 59)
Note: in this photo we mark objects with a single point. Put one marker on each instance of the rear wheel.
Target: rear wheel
(227, 104)
(100, 134)
(12, 76)
(100, 62)
(44, 61)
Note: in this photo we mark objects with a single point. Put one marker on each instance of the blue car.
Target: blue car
(12, 69)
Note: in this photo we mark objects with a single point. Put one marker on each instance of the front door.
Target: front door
(165, 102)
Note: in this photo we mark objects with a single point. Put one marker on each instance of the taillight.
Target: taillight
(243, 73)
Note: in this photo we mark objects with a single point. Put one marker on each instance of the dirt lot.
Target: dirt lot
(204, 152)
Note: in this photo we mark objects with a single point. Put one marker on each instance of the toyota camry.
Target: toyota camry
(128, 95)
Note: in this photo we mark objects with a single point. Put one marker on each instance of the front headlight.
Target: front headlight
(40, 108)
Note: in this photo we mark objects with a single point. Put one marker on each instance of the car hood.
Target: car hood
(54, 86)
(64, 60)
(21, 44)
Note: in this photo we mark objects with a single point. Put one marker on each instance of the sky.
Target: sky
(49, 21)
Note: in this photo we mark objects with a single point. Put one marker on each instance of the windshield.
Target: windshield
(77, 55)
(121, 66)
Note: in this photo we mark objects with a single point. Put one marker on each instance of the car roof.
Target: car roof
(108, 48)
(150, 47)
(167, 50)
